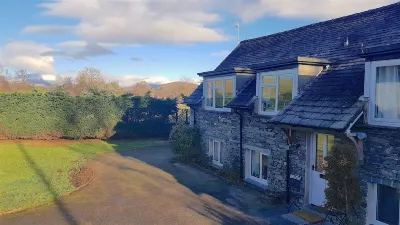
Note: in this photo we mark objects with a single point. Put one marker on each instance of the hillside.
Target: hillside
(168, 90)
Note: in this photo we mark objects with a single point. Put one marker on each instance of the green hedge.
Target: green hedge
(148, 118)
(56, 115)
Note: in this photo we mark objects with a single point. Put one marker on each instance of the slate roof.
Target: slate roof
(246, 96)
(324, 40)
(195, 97)
(331, 101)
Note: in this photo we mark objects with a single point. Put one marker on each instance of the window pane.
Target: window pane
(268, 99)
(387, 209)
(209, 94)
(221, 147)
(264, 166)
(218, 83)
(331, 141)
(319, 159)
(219, 98)
(268, 79)
(255, 164)
(228, 91)
(285, 91)
(215, 154)
(387, 96)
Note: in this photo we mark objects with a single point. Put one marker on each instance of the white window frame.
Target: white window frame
(372, 204)
(289, 72)
(370, 91)
(213, 92)
(211, 144)
(260, 180)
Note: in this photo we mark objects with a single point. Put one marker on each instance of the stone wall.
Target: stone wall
(222, 126)
(259, 135)
(381, 160)
(271, 140)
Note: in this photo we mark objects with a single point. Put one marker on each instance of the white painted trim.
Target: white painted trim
(372, 200)
(367, 79)
(248, 165)
(307, 170)
(211, 144)
(258, 149)
(233, 78)
(370, 79)
(288, 72)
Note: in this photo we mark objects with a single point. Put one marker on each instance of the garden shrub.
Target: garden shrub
(185, 142)
(343, 193)
(149, 117)
(56, 115)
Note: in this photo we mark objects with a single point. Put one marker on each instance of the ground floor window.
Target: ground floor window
(384, 207)
(258, 165)
(215, 149)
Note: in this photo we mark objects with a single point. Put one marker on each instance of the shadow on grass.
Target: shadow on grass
(65, 213)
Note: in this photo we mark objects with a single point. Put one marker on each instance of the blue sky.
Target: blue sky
(160, 40)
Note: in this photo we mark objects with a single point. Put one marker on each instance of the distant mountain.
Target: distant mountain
(41, 80)
(175, 89)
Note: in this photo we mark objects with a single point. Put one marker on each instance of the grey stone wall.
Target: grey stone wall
(259, 133)
(222, 126)
(381, 160)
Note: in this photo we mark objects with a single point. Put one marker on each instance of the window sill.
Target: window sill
(257, 182)
(389, 124)
(268, 113)
(217, 165)
(219, 109)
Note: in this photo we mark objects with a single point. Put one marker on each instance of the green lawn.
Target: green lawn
(36, 172)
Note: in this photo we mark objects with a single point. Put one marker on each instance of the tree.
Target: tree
(88, 79)
(21, 76)
(140, 88)
(343, 192)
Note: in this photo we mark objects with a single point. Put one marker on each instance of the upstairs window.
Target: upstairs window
(219, 92)
(385, 93)
(276, 90)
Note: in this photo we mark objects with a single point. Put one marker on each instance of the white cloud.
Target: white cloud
(90, 50)
(222, 53)
(47, 29)
(137, 22)
(81, 43)
(129, 80)
(27, 55)
(133, 22)
(250, 10)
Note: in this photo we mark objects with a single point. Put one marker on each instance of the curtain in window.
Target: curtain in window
(387, 102)
(264, 167)
(255, 164)
(387, 209)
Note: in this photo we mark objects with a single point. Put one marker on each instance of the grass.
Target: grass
(33, 173)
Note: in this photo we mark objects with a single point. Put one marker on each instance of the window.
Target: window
(258, 166)
(276, 90)
(324, 145)
(215, 148)
(219, 92)
(385, 93)
(384, 208)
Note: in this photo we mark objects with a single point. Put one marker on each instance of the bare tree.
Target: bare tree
(21, 75)
(88, 79)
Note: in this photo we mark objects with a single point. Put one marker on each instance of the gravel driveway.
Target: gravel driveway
(144, 187)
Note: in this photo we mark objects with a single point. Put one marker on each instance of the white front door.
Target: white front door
(320, 146)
